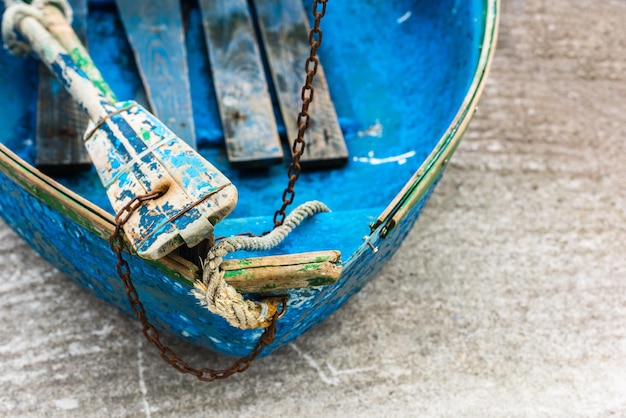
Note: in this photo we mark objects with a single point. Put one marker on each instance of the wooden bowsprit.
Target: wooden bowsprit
(135, 154)
(243, 96)
(155, 31)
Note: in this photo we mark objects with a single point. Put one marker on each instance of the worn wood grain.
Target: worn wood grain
(290, 271)
(60, 121)
(155, 30)
(244, 101)
(285, 32)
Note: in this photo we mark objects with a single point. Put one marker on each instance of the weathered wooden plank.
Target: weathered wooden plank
(292, 271)
(285, 33)
(60, 121)
(155, 31)
(243, 97)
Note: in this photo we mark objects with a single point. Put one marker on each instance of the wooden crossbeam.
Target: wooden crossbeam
(155, 31)
(60, 121)
(244, 101)
(285, 32)
(281, 272)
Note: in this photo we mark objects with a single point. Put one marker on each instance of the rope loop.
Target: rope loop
(13, 15)
(17, 10)
(223, 299)
(62, 5)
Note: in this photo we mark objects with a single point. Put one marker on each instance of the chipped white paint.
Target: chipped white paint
(215, 340)
(399, 159)
(404, 17)
(376, 131)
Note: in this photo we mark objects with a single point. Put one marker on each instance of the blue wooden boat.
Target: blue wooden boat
(405, 78)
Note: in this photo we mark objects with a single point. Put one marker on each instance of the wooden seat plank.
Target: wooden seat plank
(61, 122)
(244, 100)
(155, 31)
(285, 32)
(282, 272)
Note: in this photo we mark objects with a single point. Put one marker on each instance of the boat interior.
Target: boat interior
(397, 74)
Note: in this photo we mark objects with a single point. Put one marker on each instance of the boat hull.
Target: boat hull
(71, 232)
(87, 259)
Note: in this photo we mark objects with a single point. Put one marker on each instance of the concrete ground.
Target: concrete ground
(508, 298)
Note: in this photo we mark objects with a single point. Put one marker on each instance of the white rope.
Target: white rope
(63, 5)
(16, 10)
(13, 15)
(223, 299)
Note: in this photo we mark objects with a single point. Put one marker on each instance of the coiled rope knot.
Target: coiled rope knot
(17, 10)
(223, 299)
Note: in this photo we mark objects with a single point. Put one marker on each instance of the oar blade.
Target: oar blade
(135, 154)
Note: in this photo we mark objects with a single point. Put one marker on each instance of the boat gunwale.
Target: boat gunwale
(101, 223)
(432, 167)
(80, 210)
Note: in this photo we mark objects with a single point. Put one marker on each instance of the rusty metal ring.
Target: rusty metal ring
(283, 310)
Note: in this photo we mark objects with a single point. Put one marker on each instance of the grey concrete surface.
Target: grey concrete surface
(508, 298)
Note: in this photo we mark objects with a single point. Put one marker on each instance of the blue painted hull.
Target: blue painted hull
(404, 97)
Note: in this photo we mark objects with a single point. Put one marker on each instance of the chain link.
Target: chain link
(303, 119)
(123, 270)
(117, 242)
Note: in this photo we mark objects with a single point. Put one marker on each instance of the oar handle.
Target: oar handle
(61, 64)
(59, 26)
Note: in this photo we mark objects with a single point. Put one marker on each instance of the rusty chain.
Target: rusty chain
(117, 242)
(123, 270)
(303, 119)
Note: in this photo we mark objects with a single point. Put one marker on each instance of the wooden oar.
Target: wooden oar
(135, 154)
(155, 31)
(243, 96)
(285, 33)
(60, 122)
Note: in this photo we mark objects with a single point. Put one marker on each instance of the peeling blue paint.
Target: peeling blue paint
(412, 82)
